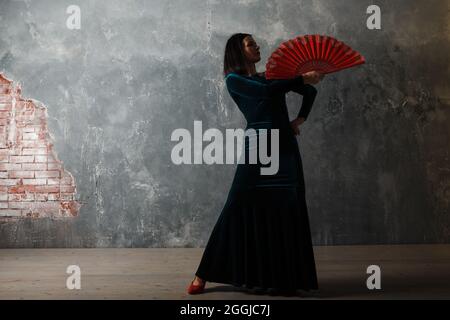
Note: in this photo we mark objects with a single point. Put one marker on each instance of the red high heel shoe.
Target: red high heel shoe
(196, 289)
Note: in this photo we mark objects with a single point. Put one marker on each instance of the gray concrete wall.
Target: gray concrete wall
(375, 148)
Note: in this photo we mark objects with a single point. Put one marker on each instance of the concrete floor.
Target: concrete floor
(407, 272)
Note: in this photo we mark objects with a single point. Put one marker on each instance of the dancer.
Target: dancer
(262, 238)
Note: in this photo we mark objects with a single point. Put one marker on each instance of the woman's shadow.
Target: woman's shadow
(255, 291)
(356, 288)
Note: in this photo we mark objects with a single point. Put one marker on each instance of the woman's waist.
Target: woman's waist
(261, 125)
(276, 124)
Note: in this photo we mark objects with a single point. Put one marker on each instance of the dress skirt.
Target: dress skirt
(262, 237)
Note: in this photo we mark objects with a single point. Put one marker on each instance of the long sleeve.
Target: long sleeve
(309, 94)
(249, 88)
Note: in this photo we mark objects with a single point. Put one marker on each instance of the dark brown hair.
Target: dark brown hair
(234, 59)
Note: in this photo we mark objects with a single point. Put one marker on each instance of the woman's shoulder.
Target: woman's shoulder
(258, 75)
(234, 74)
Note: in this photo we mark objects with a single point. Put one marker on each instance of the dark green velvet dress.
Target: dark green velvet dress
(262, 237)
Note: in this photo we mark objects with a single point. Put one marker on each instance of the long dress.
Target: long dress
(262, 237)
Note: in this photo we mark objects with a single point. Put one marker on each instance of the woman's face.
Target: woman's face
(251, 50)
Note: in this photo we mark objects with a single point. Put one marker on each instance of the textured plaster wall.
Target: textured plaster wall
(375, 148)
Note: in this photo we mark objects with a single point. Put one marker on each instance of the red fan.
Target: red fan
(311, 52)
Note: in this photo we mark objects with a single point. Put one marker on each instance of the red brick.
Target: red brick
(51, 181)
(66, 180)
(48, 196)
(54, 165)
(67, 189)
(21, 105)
(33, 166)
(42, 189)
(9, 182)
(14, 152)
(5, 106)
(30, 136)
(20, 196)
(35, 181)
(10, 166)
(29, 129)
(5, 114)
(33, 151)
(40, 159)
(21, 189)
(33, 144)
(10, 213)
(47, 174)
(21, 174)
(47, 206)
(66, 196)
(19, 205)
(54, 197)
(21, 159)
(42, 196)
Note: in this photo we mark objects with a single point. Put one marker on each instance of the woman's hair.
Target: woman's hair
(234, 59)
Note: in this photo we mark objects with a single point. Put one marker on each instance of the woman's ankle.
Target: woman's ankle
(198, 281)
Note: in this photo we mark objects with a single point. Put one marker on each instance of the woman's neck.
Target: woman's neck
(251, 69)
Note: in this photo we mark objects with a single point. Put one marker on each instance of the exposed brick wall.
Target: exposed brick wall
(33, 182)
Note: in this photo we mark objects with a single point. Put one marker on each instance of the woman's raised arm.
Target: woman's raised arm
(249, 88)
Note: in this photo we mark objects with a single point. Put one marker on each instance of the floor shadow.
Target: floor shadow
(259, 291)
(392, 287)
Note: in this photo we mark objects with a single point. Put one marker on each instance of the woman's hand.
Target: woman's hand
(295, 123)
(312, 77)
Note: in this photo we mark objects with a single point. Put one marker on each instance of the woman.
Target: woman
(262, 238)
